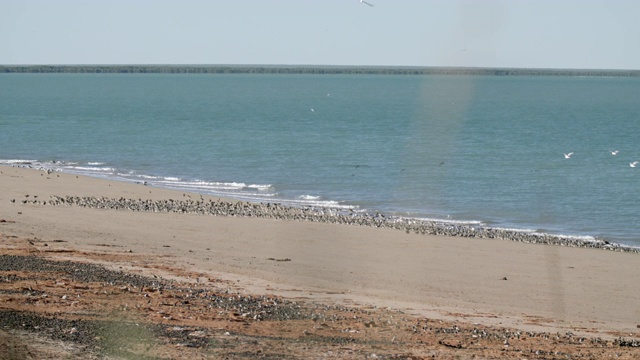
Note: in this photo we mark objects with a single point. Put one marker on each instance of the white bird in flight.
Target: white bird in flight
(615, 152)
(568, 156)
(634, 164)
(364, 2)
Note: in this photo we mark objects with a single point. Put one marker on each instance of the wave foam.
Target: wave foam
(17, 162)
(259, 187)
(451, 221)
(308, 197)
(93, 168)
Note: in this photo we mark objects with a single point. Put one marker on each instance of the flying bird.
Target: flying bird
(364, 2)
(634, 164)
(568, 156)
(615, 152)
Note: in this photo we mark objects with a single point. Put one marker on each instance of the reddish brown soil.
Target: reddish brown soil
(60, 303)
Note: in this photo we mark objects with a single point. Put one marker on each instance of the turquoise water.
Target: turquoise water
(481, 150)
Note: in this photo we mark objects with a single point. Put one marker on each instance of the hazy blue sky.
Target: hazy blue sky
(485, 33)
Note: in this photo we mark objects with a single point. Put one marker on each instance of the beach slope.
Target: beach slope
(459, 282)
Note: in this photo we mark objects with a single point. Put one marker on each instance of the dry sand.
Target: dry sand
(481, 282)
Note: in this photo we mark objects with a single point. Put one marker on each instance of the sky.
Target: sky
(573, 34)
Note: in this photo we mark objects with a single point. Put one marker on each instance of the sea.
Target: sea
(482, 151)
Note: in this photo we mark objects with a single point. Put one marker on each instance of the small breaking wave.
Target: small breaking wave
(17, 162)
(451, 221)
(260, 187)
(93, 168)
(308, 197)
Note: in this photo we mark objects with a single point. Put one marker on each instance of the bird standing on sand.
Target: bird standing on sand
(634, 164)
(364, 2)
(568, 156)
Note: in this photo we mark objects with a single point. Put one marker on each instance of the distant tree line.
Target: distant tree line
(285, 69)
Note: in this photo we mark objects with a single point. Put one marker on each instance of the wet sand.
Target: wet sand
(490, 283)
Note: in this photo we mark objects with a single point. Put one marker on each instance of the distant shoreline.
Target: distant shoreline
(310, 69)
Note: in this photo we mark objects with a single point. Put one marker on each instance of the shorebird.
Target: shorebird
(364, 2)
(615, 152)
(634, 164)
(568, 156)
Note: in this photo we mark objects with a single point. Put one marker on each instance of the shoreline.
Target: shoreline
(485, 281)
(282, 210)
(276, 211)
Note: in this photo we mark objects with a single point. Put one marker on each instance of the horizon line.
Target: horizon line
(321, 66)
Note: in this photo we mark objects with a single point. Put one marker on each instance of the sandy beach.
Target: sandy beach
(452, 281)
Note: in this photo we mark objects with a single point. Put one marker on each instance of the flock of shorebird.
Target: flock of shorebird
(613, 152)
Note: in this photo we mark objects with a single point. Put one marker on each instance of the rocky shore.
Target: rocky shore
(325, 215)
